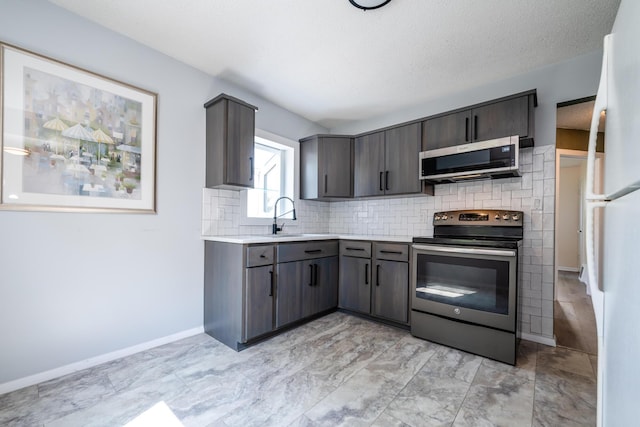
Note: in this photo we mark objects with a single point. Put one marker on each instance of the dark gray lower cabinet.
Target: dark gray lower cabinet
(391, 296)
(307, 280)
(374, 279)
(259, 301)
(288, 307)
(355, 284)
(321, 290)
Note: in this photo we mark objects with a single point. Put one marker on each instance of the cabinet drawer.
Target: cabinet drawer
(392, 251)
(259, 255)
(355, 248)
(307, 250)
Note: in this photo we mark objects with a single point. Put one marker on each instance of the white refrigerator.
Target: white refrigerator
(613, 224)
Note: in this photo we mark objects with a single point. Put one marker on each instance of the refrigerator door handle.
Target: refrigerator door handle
(595, 200)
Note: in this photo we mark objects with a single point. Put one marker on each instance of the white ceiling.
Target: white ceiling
(332, 63)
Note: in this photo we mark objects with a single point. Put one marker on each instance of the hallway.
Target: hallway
(574, 320)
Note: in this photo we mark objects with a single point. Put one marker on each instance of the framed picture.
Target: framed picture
(72, 140)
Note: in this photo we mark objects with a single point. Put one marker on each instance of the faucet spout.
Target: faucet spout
(274, 227)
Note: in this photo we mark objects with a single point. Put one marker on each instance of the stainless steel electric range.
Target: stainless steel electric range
(465, 282)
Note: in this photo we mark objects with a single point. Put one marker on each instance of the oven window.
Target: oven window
(475, 283)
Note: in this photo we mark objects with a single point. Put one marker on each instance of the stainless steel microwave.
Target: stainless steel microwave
(496, 158)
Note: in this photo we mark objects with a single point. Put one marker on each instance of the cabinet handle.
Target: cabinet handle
(382, 251)
(325, 183)
(475, 127)
(251, 168)
(366, 274)
(386, 180)
(313, 251)
(466, 129)
(315, 274)
(262, 256)
(378, 275)
(354, 249)
(271, 288)
(381, 186)
(310, 274)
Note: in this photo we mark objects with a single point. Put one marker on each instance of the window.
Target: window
(274, 177)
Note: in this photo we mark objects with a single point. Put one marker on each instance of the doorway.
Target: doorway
(574, 319)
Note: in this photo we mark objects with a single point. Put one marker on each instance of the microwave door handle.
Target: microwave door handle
(470, 251)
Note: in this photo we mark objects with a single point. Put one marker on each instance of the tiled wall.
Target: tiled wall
(533, 193)
(221, 216)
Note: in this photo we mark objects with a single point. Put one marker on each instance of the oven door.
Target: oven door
(475, 285)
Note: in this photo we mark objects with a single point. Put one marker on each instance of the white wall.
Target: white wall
(569, 218)
(77, 286)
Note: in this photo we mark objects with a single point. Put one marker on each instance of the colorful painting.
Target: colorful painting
(74, 140)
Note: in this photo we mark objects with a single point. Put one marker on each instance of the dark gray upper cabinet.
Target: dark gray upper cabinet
(368, 165)
(402, 145)
(230, 137)
(326, 167)
(386, 163)
(513, 115)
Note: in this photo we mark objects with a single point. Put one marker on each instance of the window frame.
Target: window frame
(292, 185)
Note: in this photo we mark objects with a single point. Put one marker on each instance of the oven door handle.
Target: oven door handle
(471, 251)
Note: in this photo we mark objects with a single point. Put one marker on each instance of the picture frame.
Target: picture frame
(72, 140)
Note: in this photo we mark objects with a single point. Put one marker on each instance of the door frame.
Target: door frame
(576, 154)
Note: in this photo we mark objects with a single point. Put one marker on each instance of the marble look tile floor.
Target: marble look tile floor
(574, 321)
(337, 370)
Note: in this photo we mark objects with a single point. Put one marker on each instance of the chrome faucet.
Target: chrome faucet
(274, 227)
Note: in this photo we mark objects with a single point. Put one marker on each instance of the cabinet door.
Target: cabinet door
(368, 165)
(259, 301)
(320, 285)
(504, 118)
(402, 146)
(326, 283)
(289, 292)
(355, 284)
(335, 167)
(391, 290)
(240, 140)
(446, 131)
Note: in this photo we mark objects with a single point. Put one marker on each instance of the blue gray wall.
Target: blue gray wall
(76, 286)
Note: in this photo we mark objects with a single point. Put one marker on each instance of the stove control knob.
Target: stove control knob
(497, 217)
(505, 217)
(515, 217)
(445, 217)
(437, 218)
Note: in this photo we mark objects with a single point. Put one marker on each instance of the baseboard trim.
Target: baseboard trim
(537, 338)
(569, 269)
(94, 361)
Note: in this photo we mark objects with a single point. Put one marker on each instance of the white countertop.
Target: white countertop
(268, 238)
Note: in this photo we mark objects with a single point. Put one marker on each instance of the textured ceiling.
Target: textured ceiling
(332, 63)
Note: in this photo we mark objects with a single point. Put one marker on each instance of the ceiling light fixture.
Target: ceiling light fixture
(368, 4)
